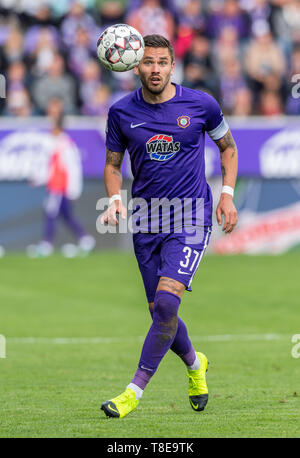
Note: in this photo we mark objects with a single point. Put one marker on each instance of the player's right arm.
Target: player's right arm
(113, 185)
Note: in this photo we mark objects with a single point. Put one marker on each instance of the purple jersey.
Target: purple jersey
(165, 142)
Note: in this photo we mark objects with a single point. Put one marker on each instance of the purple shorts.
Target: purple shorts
(168, 255)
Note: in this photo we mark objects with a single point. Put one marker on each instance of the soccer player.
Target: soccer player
(64, 184)
(162, 125)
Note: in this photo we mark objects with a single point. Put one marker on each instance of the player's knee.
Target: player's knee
(165, 312)
(164, 308)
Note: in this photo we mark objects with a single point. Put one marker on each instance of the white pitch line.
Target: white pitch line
(71, 340)
(240, 337)
(111, 340)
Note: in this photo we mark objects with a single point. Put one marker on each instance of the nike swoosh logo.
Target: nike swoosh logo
(133, 126)
(112, 409)
(194, 405)
(146, 369)
(180, 272)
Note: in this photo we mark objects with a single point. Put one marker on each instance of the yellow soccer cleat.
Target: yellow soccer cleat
(198, 391)
(121, 405)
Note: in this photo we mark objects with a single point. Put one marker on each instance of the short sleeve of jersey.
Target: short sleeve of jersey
(216, 124)
(115, 140)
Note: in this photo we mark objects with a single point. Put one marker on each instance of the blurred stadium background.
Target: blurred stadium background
(244, 52)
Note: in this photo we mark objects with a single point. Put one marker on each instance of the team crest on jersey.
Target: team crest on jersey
(183, 121)
(162, 147)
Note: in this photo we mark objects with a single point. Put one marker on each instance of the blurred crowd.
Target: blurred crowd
(242, 52)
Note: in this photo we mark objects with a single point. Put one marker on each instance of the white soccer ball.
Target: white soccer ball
(120, 47)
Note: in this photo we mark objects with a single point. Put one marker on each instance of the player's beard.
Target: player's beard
(153, 89)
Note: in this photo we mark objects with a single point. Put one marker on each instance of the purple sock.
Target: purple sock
(141, 378)
(189, 357)
(181, 344)
(160, 336)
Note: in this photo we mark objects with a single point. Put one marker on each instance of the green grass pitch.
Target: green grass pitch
(242, 313)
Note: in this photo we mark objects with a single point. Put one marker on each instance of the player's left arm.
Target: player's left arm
(229, 167)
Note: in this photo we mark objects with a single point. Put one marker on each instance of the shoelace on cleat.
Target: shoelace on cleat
(195, 379)
(125, 397)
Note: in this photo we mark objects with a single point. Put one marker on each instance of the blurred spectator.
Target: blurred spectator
(242, 102)
(226, 48)
(18, 103)
(55, 83)
(263, 57)
(93, 94)
(191, 15)
(291, 15)
(183, 41)
(198, 69)
(110, 12)
(41, 44)
(124, 84)
(231, 81)
(173, 6)
(151, 17)
(16, 76)
(196, 77)
(43, 13)
(99, 103)
(90, 80)
(259, 11)
(80, 52)
(199, 52)
(38, 37)
(270, 104)
(13, 49)
(231, 14)
(76, 17)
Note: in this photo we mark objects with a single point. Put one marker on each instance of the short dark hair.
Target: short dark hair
(158, 41)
